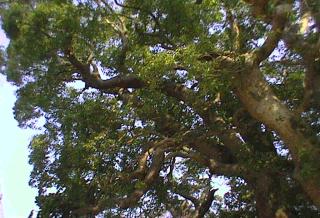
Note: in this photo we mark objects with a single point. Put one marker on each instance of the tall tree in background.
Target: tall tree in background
(145, 103)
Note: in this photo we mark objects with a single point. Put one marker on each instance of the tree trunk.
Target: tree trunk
(259, 99)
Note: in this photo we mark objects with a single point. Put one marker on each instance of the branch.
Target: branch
(309, 53)
(228, 136)
(260, 9)
(142, 167)
(203, 208)
(93, 81)
(250, 130)
(235, 30)
(188, 197)
(89, 210)
(179, 92)
(150, 178)
(227, 169)
(207, 148)
(155, 19)
(214, 165)
(115, 82)
(278, 24)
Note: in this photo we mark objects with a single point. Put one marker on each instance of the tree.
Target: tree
(144, 103)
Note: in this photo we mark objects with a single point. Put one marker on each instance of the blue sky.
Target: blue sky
(18, 197)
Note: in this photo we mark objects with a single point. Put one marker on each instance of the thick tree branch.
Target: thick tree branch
(181, 93)
(278, 23)
(141, 168)
(208, 148)
(228, 169)
(150, 178)
(146, 175)
(93, 81)
(260, 101)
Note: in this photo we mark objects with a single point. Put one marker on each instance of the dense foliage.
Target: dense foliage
(144, 104)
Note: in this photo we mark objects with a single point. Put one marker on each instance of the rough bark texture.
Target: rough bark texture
(259, 99)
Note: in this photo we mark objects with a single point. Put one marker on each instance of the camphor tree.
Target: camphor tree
(146, 102)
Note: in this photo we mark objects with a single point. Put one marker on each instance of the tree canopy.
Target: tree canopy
(144, 104)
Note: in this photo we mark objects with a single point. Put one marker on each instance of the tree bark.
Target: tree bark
(263, 204)
(260, 101)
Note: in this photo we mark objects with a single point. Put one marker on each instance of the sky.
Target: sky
(18, 196)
